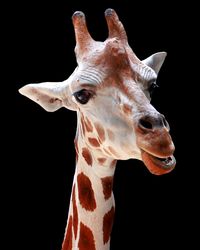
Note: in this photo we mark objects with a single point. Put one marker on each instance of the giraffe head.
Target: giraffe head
(111, 91)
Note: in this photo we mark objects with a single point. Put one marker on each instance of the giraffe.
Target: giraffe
(111, 92)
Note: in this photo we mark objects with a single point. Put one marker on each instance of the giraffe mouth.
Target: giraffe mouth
(158, 165)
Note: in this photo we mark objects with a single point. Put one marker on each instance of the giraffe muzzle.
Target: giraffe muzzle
(155, 143)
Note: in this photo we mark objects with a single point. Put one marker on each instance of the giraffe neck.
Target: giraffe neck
(92, 205)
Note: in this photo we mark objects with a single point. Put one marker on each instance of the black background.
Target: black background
(152, 211)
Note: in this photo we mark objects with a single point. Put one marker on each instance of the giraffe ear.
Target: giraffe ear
(155, 61)
(49, 95)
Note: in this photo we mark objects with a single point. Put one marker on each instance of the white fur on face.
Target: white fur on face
(106, 109)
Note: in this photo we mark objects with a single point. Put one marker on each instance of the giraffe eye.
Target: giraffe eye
(152, 87)
(83, 96)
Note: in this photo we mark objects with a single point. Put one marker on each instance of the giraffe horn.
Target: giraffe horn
(115, 27)
(83, 38)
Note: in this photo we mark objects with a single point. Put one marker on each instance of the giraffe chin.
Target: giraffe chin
(156, 165)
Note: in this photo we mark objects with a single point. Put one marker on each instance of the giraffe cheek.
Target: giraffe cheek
(111, 135)
(113, 152)
(88, 125)
(100, 132)
(83, 125)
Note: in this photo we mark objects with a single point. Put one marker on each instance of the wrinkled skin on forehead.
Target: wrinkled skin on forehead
(115, 88)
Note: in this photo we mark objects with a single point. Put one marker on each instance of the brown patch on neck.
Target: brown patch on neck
(88, 125)
(93, 142)
(67, 243)
(111, 135)
(127, 109)
(107, 224)
(87, 156)
(75, 213)
(101, 160)
(100, 131)
(107, 183)
(86, 193)
(86, 240)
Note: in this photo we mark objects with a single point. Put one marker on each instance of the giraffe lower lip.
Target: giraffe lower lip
(158, 165)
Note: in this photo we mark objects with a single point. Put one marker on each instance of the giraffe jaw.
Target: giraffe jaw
(157, 165)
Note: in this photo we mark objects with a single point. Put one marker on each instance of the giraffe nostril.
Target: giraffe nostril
(151, 122)
(145, 124)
